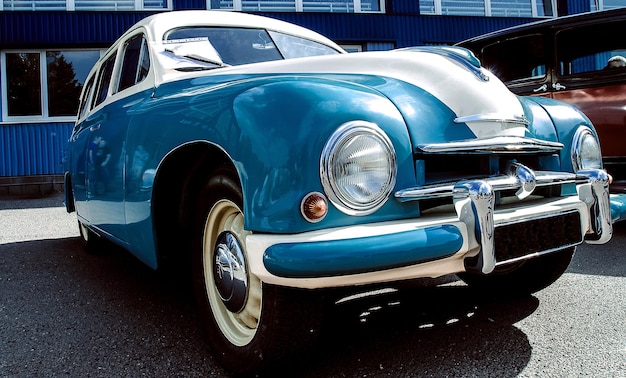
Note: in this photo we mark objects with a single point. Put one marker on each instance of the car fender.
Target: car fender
(283, 127)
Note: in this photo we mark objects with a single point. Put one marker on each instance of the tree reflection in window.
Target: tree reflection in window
(63, 73)
(63, 87)
(23, 84)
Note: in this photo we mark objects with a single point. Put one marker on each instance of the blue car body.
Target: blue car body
(266, 157)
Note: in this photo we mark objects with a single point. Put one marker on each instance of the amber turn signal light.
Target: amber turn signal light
(314, 207)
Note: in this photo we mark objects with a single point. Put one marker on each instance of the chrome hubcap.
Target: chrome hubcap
(230, 275)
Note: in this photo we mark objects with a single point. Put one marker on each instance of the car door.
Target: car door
(521, 61)
(591, 74)
(81, 137)
(106, 135)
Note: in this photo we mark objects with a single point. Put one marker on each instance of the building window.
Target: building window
(91, 5)
(43, 85)
(329, 6)
(493, 8)
(598, 5)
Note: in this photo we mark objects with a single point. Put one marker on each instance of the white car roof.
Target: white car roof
(158, 24)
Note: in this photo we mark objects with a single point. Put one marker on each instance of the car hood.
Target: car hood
(470, 101)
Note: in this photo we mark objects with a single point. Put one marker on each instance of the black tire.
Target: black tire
(247, 335)
(522, 278)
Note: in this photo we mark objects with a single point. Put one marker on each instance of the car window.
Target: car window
(237, 46)
(136, 62)
(104, 79)
(520, 58)
(82, 108)
(234, 46)
(591, 48)
(295, 47)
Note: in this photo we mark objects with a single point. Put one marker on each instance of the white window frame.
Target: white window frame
(70, 5)
(237, 6)
(598, 5)
(43, 80)
(438, 9)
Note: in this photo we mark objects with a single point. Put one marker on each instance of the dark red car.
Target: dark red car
(578, 59)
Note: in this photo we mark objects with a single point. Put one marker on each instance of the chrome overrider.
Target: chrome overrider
(474, 203)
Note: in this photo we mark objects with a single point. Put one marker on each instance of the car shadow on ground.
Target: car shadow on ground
(424, 329)
(69, 312)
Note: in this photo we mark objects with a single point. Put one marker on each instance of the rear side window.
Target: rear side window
(136, 63)
(514, 59)
(104, 79)
(86, 97)
(591, 48)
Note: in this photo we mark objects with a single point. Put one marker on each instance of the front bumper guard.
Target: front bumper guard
(474, 202)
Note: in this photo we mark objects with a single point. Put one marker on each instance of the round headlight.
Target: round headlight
(585, 150)
(358, 168)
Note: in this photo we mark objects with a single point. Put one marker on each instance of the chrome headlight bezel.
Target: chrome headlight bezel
(379, 171)
(585, 153)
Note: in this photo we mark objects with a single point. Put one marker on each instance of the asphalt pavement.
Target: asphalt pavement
(64, 312)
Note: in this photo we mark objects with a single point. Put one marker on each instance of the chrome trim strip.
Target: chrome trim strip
(493, 117)
(499, 183)
(535, 254)
(537, 217)
(500, 144)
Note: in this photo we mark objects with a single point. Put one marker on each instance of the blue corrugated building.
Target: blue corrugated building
(48, 46)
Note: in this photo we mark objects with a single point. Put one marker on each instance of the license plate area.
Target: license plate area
(545, 234)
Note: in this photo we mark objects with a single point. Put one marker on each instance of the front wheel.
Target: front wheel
(525, 277)
(250, 324)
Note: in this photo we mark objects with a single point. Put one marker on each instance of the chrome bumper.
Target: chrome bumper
(474, 202)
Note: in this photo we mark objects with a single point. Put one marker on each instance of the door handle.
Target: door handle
(95, 128)
(542, 88)
(558, 86)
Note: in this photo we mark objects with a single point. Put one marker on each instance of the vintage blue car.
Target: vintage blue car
(274, 165)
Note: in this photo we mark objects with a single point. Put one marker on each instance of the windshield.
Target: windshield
(236, 46)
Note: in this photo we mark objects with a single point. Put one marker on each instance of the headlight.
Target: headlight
(358, 168)
(585, 150)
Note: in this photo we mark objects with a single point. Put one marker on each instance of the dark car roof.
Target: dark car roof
(563, 21)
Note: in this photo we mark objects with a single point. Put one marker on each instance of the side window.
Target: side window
(521, 58)
(144, 62)
(591, 48)
(82, 109)
(104, 80)
(136, 63)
